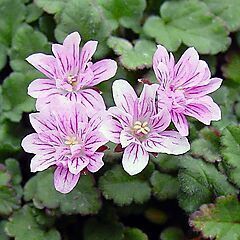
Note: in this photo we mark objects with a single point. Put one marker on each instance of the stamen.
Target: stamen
(141, 127)
(71, 140)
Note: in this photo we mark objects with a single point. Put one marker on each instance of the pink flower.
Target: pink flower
(65, 137)
(184, 87)
(140, 127)
(71, 73)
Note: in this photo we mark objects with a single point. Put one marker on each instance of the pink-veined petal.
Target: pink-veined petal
(111, 129)
(86, 54)
(124, 96)
(42, 162)
(92, 101)
(160, 121)
(124, 118)
(180, 122)
(103, 70)
(77, 164)
(95, 162)
(39, 87)
(199, 91)
(204, 109)
(135, 159)
(71, 44)
(44, 63)
(42, 121)
(170, 142)
(163, 64)
(94, 140)
(126, 138)
(33, 144)
(185, 67)
(64, 180)
(146, 103)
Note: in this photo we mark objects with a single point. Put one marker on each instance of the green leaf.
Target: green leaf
(25, 224)
(220, 221)
(33, 12)
(9, 198)
(101, 230)
(134, 234)
(172, 233)
(84, 199)
(86, 17)
(3, 56)
(15, 104)
(167, 163)
(188, 22)
(228, 11)
(3, 235)
(51, 6)
(9, 138)
(124, 189)
(200, 182)
(231, 152)
(134, 57)
(25, 42)
(127, 13)
(164, 185)
(207, 145)
(12, 15)
(231, 68)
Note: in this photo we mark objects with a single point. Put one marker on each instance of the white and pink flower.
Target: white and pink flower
(140, 127)
(71, 73)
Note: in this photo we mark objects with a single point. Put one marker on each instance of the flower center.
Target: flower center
(71, 140)
(140, 127)
(72, 80)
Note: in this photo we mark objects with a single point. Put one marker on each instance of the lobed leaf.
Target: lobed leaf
(220, 221)
(124, 189)
(188, 22)
(84, 199)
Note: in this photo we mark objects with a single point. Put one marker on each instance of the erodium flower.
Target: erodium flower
(71, 73)
(184, 87)
(65, 137)
(140, 127)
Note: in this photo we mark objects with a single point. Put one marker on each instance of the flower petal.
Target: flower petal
(39, 87)
(180, 123)
(44, 63)
(64, 180)
(163, 64)
(124, 118)
(126, 138)
(124, 96)
(185, 67)
(77, 164)
(203, 109)
(199, 91)
(92, 101)
(103, 70)
(86, 54)
(111, 129)
(170, 142)
(135, 159)
(71, 44)
(42, 121)
(146, 103)
(94, 140)
(160, 121)
(95, 162)
(42, 162)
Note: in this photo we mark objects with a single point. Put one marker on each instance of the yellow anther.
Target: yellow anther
(141, 127)
(71, 140)
(72, 80)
